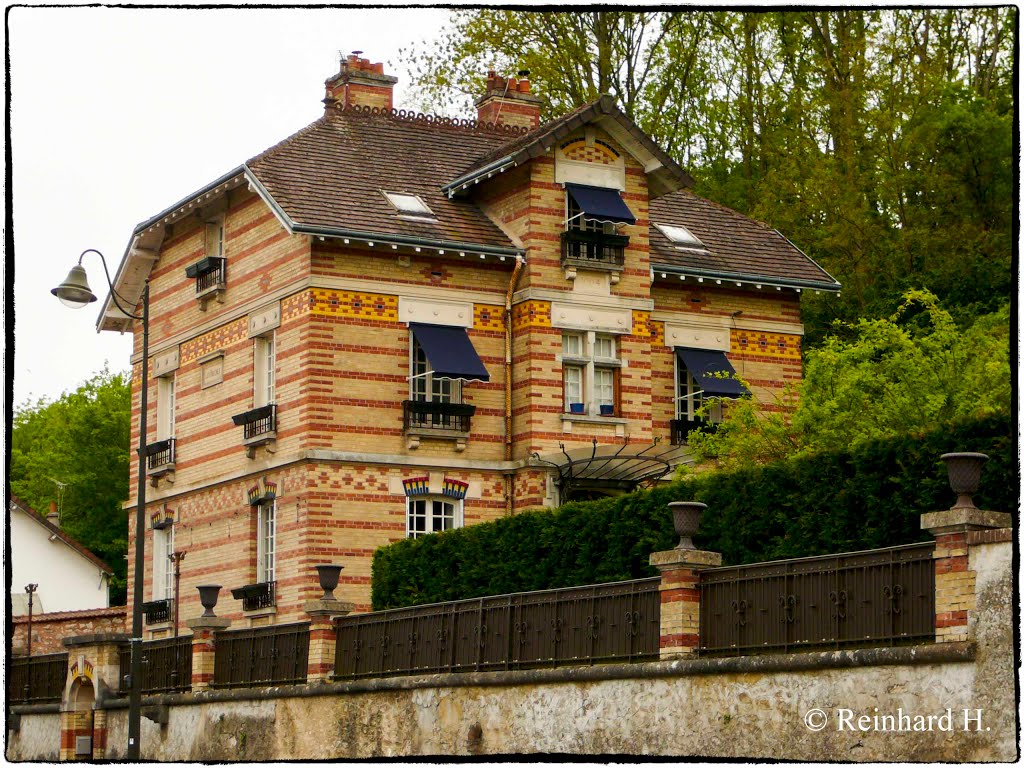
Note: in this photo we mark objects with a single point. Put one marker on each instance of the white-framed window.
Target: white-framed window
(590, 373)
(429, 515)
(266, 541)
(165, 407)
(690, 398)
(214, 242)
(423, 386)
(409, 205)
(264, 370)
(681, 237)
(163, 569)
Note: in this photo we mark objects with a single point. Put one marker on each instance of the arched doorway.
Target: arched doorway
(76, 733)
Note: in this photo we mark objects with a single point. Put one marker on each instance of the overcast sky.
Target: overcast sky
(117, 113)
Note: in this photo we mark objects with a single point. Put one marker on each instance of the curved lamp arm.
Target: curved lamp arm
(110, 284)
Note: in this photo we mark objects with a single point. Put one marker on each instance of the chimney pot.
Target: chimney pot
(512, 105)
(52, 516)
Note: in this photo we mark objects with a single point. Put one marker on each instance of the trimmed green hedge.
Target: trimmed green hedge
(836, 502)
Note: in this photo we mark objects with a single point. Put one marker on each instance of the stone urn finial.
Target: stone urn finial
(208, 594)
(329, 575)
(686, 517)
(964, 476)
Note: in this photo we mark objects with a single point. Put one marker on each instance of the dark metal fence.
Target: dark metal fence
(160, 454)
(579, 625)
(166, 665)
(157, 611)
(37, 679)
(424, 414)
(213, 276)
(879, 597)
(256, 596)
(594, 247)
(275, 655)
(258, 421)
(680, 429)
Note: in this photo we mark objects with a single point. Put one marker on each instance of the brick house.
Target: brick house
(390, 324)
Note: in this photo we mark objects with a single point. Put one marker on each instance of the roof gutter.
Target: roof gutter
(372, 238)
(478, 175)
(739, 278)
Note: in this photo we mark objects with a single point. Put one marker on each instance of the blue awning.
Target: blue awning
(707, 366)
(601, 204)
(450, 353)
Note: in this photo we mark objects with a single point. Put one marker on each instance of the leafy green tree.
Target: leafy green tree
(879, 141)
(79, 441)
(873, 380)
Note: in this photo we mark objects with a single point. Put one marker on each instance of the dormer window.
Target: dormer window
(681, 237)
(411, 206)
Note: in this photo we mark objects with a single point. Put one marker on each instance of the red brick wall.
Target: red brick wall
(48, 629)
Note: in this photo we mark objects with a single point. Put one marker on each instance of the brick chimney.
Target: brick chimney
(508, 102)
(360, 83)
(52, 516)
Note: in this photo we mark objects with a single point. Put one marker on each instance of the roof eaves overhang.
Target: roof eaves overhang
(143, 249)
(746, 279)
(375, 238)
(665, 174)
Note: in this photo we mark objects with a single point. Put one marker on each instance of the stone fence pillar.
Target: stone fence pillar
(323, 636)
(94, 671)
(679, 592)
(204, 646)
(956, 530)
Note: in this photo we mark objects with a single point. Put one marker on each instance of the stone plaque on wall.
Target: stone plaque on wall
(211, 370)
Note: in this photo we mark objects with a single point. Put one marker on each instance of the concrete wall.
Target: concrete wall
(948, 701)
(753, 707)
(67, 580)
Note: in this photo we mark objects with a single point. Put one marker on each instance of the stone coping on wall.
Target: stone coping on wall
(937, 653)
(87, 613)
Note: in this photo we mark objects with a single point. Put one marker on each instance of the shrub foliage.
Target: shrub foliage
(811, 505)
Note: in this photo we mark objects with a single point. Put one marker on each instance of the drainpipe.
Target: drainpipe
(509, 479)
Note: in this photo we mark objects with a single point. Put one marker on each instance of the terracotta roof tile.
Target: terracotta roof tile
(332, 174)
(736, 244)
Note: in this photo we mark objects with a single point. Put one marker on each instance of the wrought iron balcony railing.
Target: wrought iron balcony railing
(160, 455)
(423, 414)
(256, 596)
(209, 273)
(157, 612)
(258, 422)
(680, 429)
(589, 249)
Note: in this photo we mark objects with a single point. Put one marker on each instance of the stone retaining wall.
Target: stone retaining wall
(49, 629)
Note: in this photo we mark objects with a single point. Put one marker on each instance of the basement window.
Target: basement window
(410, 205)
(681, 237)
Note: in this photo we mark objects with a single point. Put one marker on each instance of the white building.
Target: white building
(69, 576)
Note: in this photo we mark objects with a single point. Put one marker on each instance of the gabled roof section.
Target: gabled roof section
(330, 178)
(664, 174)
(736, 247)
(53, 530)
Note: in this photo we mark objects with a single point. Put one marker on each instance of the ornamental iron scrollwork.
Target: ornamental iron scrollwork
(633, 623)
(593, 626)
(788, 605)
(893, 594)
(839, 601)
(739, 607)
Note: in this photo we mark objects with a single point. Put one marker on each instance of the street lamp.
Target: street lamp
(74, 292)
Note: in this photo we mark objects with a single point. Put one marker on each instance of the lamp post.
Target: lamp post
(176, 558)
(31, 590)
(74, 292)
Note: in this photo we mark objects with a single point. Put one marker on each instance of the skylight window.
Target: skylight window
(681, 236)
(409, 205)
